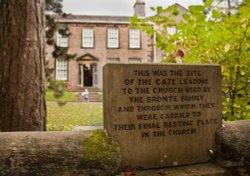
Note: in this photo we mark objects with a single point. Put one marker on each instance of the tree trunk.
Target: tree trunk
(22, 57)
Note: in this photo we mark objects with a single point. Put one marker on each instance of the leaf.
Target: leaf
(208, 3)
(159, 9)
(152, 8)
(186, 17)
(196, 9)
(216, 14)
(129, 172)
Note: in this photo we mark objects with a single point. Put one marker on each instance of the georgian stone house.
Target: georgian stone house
(98, 40)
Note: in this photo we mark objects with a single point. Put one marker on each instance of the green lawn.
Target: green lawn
(67, 96)
(65, 117)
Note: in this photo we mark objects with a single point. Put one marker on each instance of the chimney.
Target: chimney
(139, 8)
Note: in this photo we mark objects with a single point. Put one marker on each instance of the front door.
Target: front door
(87, 75)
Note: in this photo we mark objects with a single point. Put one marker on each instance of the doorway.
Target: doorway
(88, 74)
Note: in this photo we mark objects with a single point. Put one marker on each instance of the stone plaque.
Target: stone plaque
(162, 114)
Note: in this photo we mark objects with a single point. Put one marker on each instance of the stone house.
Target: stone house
(98, 40)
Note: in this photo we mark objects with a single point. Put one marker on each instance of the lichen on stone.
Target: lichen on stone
(100, 147)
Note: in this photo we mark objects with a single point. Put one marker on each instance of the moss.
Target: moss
(100, 147)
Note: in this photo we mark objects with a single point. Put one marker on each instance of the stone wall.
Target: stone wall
(92, 153)
(233, 144)
(58, 154)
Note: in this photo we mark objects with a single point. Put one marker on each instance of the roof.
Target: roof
(93, 19)
(178, 5)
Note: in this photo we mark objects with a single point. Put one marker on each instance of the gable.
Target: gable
(87, 57)
(181, 8)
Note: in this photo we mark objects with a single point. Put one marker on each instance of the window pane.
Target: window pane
(88, 37)
(134, 38)
(134, 60)
(113, 38)
(61, 40)
(61, 70)
(113, 60)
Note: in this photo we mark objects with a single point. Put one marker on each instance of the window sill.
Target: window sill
(85, 47)
(135, 48)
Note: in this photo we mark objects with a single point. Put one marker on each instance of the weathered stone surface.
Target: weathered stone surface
(191, 170)
(88, 153)
(162, 114)
(86, 128)
(206, 169)
(233, 144)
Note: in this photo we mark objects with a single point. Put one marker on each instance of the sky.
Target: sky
(117, 7)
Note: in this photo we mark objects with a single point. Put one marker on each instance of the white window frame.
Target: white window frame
(87, 37)
(134, 38)
(113, 38)
(134, 60)
(61, 40)
(113, 60)
(61, 70)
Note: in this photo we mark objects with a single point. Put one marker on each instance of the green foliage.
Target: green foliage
(220, 38)
(62, 53)
(65, 118)
(208, 3)
(50, 32)
(67, 96)
(54, 5)
(58, 87)
(99, 147)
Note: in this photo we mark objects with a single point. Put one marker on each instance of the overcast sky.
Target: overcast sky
(117, 7)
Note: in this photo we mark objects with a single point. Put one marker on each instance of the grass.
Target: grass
(67, 96)
(66, 117)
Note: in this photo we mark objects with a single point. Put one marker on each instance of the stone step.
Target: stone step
(81, 89)
(93, 96)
